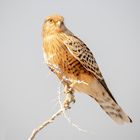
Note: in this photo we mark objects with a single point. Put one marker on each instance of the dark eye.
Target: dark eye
(50, 20)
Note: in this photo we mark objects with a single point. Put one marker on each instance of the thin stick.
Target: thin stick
(45, 124)
(63, 108)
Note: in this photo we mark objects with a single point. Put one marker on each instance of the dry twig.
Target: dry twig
(66, 106)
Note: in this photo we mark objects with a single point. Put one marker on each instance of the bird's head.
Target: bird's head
(53, 24)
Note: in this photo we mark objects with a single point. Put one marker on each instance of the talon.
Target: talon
(74, 101)
(69, 97)
(66, 105)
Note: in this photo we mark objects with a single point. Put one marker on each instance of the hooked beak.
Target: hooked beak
(59, 24)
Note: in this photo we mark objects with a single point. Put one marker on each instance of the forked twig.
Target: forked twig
(63, 108)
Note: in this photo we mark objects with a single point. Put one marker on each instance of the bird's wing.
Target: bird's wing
(83, 54)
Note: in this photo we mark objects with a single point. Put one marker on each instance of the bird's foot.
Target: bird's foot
(70, 98)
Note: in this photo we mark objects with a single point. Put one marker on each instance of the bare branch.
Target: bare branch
(51, 120)
(37, 130)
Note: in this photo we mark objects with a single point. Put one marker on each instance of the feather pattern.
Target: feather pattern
(82, 53)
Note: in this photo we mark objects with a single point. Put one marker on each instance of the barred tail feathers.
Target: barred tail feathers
(108, 103)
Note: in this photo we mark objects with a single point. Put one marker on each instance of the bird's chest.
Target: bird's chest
(57, 55)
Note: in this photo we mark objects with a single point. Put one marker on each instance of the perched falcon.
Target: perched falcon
(69, 57)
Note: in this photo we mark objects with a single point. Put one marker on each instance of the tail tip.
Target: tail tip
(130, 120)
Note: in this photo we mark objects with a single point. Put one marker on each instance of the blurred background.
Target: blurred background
(28, 90)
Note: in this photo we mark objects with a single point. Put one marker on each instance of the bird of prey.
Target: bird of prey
(68, 56)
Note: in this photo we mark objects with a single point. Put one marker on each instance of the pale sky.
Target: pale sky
(28, 93)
